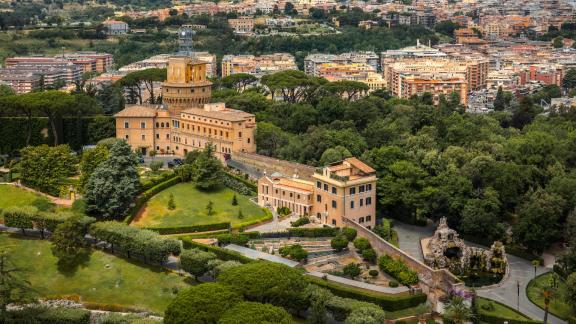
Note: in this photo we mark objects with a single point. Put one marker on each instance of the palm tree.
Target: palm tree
(457, 311)
(548, 294)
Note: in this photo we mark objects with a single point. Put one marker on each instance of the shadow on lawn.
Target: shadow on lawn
(68, 265)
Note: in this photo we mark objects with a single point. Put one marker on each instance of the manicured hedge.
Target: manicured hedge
(147, 184)
(389, 303)
(304, 232)
(203, 235)
(247, 183)
(191, 228)
(267, 216)
(239, 185)
(499, 320)
(50, 315)
(221, 253)
(398, 269)
(143, 197)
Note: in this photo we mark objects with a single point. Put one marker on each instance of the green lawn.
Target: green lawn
(104, 279)
(498, 310)
(12, 196)
(191, 208)
(557, 306)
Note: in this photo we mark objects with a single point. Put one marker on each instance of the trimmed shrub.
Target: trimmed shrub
(222, 254)
(190, 228)
(239, 185)
(350, 233)
(300, 222)
(195, 261)
(373, 273)
(342, 307)
(393, 284)
(314, 232)
(238, 239)
(256, 313)
(20, 217)
(389, 303)
(156, 165)
(369, 255)
(295, 252)
(397, 269)
(339, 243)
(366, 316)
(49, 315)
(362, 244)
(204, 303)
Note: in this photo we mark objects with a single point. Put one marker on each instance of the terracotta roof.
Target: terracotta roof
(296, 184)
(226, 114)
(137, 111)
(360, 165)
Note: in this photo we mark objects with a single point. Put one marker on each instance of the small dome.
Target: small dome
(276, 175)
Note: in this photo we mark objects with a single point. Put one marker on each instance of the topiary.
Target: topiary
(393, 284)
(373, 273)
(204, 303)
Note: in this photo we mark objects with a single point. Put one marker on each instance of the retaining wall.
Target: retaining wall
(256, 165)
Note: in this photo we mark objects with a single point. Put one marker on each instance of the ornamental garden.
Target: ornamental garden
(136, 242)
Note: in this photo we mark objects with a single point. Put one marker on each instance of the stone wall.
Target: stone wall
(435, 283)
(256, 165)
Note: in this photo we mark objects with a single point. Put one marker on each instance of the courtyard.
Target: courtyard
(191, 208)
(102, 279)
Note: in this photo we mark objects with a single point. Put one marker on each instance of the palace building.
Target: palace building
(186, 121)
(345, 189)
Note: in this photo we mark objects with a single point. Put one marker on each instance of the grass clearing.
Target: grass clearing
(493, 308)
(11, 196)
(103, 279)
(557, 306)
(191, 209)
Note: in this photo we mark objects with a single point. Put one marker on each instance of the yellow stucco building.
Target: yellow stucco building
(186, 121)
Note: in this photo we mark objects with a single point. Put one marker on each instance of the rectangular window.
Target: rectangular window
(157, 136)
(142, 125)
(334, 190)
(167, 136)
(143, 137)
(126, 136)
(361, 202)
(333, 203)
(368, 201)
(239, 134)
(353, 191)
(325, 187)
(368, 218)
(369, 187)
(126, 125)
(318, 198)
(318, 184)
(290, 195)
(352, 204)
(361, 188)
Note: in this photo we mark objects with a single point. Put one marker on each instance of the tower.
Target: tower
(186, 85)
(186, 40)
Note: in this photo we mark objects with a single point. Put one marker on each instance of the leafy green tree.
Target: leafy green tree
(69, 244)
(13, 287)
(207, 169)
(101, 127)
(336, 154)
(234, 200)
(347, 89)
(134, 80)
(539, 220)
(318, 298)
(268, 282)
(90, 160)
(481, 217)
(43, 167)
(210, 208)
(558, 42)
(205, 303)
(339, 243)
(269, 138)
(156, 165)
(6, 90)
(500, 100)
(365, 316)
(196, 261)
(570, 293)
(293, 85)
(113, 185)
(569, 81)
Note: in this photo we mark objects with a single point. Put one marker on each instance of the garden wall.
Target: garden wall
(256, 165)
(434, 282)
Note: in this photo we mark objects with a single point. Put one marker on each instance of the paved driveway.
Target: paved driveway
(521, 272)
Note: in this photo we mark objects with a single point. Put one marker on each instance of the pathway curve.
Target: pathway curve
(521, 272)
(276, 225)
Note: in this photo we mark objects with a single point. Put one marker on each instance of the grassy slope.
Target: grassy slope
(191, 207)
(104, 279)
(12, 196)
(557, 306)
(500, 310)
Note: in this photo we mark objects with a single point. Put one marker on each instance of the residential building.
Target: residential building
(313, 60)
(86, 61)
(242, 25)
(115, 27)
(257, 65)
(345, 189)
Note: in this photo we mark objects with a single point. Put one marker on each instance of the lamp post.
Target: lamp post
(518, 295)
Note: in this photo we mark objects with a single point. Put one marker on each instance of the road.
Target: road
(521, 272)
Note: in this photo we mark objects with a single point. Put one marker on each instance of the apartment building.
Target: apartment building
(257, 65)
(20, 82)
(25, 78)
(345, 189)
(86, 61)
(360, 72)
(186, 121)
(115, 27)
(242, 25)
(161, 62)
(313, 60)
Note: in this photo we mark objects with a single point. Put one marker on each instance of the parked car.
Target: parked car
(178, 161)
(171, 164)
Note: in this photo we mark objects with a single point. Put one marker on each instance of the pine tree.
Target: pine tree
(499, 101)
(207, 169)
(210, 208)
(240, 215)
(234, 200)
(171, 203)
